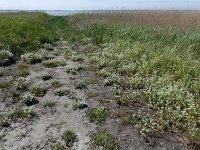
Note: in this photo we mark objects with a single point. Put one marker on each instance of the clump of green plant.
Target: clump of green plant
(80, 85)
(58, 146)
(32, 57)
(4, 121)
(23, 66)
(2, 72)
(79, 105)
(69, 137)
(49, 104)
(5, 85)
(73, 96)
(22, 114)
(97, 114)
(56, 84)
(38, 91)
(23, 73)
(62, 92)
(5, 56)
(20, 84)
(91, 94)
(29, 99)
(77, 58)
(104, 139)
(53, 63)
(46, 76)
(68, 54)
(16, 96)
(73, 70)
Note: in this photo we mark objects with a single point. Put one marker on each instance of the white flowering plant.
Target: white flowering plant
(5, 56)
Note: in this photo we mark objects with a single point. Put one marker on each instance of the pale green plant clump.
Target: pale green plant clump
(29, 99)
(21, 84)
(5, 56)
(33, 57)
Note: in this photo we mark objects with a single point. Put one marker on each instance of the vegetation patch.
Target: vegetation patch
(58, 146)
(79, 105)
(104, 139)
(32, 57)
(46, 77)
(53, 63)
(38, 91)
(97, 114)
(73, 70)
(62, 92)
(29, 99)
(49, 104)
(69, 137)
(23, 73)
(56, 84)
(80, 85)
(5, 57)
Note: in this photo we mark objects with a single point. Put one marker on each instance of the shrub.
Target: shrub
(38, 91)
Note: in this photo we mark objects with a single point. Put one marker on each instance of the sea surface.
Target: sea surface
(67, 12)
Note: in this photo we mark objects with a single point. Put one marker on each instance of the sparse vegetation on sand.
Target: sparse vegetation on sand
(143, 67)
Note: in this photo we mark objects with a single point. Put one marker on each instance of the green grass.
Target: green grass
(97, 114)
(104, 139)
(69, 137)
(22, 32)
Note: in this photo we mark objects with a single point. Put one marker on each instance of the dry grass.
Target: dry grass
(183, 19)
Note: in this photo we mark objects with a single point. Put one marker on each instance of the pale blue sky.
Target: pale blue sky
(99, 4)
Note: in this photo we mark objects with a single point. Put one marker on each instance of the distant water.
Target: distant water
(67, 12)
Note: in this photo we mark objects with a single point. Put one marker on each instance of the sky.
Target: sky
(98, 4)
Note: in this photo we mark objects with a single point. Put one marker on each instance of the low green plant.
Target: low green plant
(104, 139)
(73, 70)
(23, 73)
(23, 66)
(29, 99)
(79, 105)
(38, 91)
(4, 121)
(69, 137)
(77, 58)
(56, 84)
(46, 76)
(5, 56)
(62, 92)
(91, 94)
(53, 63)
(49, 104)
(21, 114)
(20, 84)
(5, 85)
(97, 114)
(32, 57)
(57, 146)
(80, 85)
